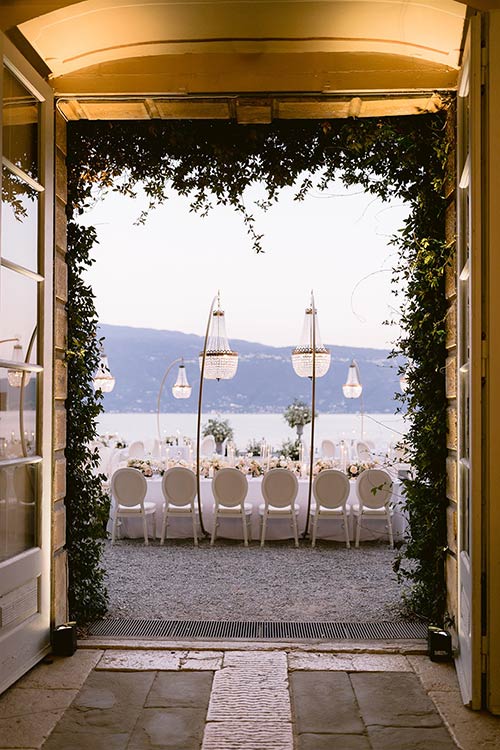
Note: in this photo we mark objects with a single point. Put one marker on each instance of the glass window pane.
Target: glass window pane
(18, 314)
(20, 125)
(18, 493)
(19, 221)
(17, 414)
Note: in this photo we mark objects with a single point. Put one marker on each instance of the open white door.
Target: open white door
(469, 367)
(26, 288)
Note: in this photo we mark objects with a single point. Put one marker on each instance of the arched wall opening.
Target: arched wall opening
(407, 156)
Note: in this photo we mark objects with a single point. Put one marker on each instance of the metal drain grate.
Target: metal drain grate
(255, 630)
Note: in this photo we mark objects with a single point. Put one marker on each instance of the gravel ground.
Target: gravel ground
(231, 582)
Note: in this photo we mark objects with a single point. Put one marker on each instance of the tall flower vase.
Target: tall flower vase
(300, 430)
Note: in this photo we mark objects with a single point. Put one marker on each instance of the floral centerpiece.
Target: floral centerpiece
(290, 449)
(297, 414)
(354, 469)
(220, 429)
(250, 466)
(322, 464)
(254, 447)
(148, 466)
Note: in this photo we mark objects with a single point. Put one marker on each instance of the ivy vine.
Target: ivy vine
(214, 163)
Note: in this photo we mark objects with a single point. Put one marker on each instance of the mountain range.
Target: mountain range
(265, 380)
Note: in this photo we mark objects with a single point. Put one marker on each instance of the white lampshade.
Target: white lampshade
(221, 362)
(181, 387)
(302, 355)
(353, 388)
(103, 379)
(15, 377)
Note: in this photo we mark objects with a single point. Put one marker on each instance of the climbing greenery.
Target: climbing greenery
(87, 506)
(214, 163)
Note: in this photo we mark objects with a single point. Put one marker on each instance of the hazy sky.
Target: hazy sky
(164, 274)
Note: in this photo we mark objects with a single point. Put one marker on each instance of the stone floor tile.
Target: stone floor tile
(243, 697)
(27, 731)
(93, 722)
(62, 741)
(109, 689)
(180, 689)
(60, 672)
(250, 687)
(168, 729)
(434, 675)
(258, 660)
(324, 702)
(380, 663)
(210, 660)
(248, 735)
(23, 701)
(108, 703)
(393, 699)
(472, 730)
(410, 738)
(250, 705)
(137, 661)
(312, 661)
(332, 742)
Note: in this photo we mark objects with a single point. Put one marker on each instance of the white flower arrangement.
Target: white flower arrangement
(148, 466)
(252, 467)
(354, 469)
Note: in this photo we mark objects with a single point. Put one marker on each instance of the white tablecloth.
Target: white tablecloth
(371, 528)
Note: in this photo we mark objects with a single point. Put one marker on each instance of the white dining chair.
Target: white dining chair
(129, 487)
(331, 491)
(136, 449)
(363, 452)
(279, 490)
(207, 446)
(328, 449)
(230, 488)
(178, 486)
(374, 489)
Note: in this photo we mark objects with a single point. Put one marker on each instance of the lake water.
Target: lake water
(382, 429)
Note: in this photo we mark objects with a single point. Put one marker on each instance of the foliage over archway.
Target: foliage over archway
(214, 162)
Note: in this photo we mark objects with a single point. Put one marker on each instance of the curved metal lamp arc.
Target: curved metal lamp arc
(203, 357)
(312, 360)
(223, 367)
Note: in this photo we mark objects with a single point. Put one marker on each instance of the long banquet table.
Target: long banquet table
(371, 528)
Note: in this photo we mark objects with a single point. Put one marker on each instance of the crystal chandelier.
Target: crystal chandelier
(403, 383)
(103, 379)
(181, 387)
(18, 378)
(352, 388)
(302, 355)
(221, 362)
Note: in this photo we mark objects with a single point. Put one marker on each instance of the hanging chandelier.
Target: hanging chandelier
(181, 387)
(18, 378)
(302, 355)
(103, 379)
(352, 388)
(221, 362)
(403, 383)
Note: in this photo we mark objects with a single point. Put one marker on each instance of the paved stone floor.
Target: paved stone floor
(248, 697)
